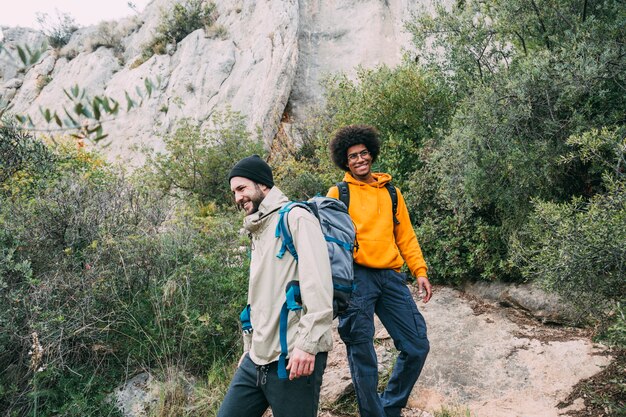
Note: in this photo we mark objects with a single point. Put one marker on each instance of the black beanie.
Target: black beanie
(255, 169)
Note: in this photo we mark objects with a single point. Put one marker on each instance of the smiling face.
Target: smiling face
(360, 163)
(248, 194)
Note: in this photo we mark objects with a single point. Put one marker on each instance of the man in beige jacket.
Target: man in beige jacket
(256, 384)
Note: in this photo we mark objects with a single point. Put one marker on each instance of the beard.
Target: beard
(255, 199)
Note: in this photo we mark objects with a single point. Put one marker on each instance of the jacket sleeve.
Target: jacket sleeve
(407, 241)
(333, 192)
(314, 274)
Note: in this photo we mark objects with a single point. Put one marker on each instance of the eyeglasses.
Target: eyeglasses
(355, 156)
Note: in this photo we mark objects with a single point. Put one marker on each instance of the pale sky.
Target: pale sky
(84, 12)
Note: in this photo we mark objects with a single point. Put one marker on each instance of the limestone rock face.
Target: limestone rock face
(337, 37)
(257, 57)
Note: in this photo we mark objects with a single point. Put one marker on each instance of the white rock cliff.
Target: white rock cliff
(266, 54)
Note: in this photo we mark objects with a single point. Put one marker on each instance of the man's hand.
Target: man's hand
(424, 284)
(301, 363)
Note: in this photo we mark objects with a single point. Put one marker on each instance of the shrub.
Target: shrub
(22, 158)
(42, 81)
(59, 29)
(196, 163)
(108, 277)
(178, 22)
(302, 171)
(527, 81)
(109, 35)
(217, 31)
(406, 104)
(578, 250)
(297, 180)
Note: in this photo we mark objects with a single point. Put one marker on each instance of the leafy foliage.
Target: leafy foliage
(406, 104)
(85, 115)
(581, 245)
(527, 77)
(21, 154)
(197, 162)
(99, 275)
(183, 18)
(578, 248)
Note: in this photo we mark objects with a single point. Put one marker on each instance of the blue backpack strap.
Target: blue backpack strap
(292, 303)
(282, 231)
(349, 246)
(244, 317)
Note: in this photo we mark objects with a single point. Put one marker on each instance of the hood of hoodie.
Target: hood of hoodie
(381, 178)
(273, 201)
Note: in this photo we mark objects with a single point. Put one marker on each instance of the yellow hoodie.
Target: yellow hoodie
(381, 244)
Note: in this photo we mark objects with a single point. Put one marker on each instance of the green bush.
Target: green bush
(578, 249)
(526, 81)
(302, 171)
(176, 23)
(21, 156)
(108, 277)
(406, 104)
(196, 163)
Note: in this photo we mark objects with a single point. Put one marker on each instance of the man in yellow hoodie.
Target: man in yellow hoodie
(386, 241)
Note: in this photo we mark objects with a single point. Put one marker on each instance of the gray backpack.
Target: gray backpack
(340, 234)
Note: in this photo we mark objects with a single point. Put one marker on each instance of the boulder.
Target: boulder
(529, 298)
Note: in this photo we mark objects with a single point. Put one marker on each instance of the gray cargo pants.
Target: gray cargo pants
(255, 388)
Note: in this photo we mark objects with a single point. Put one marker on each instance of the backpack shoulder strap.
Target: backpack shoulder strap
(282, 229)
(393, 193)
(293, 302)
(244, 317)
(344, 193)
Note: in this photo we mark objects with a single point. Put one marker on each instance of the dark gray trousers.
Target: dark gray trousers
(255, 388)
(383, 292)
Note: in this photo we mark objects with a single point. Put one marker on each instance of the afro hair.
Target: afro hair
(353, 135)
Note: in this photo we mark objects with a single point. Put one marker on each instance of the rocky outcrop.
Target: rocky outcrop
(257, 58)
(527, 298)
(339, 37)
(485, 357)
(498, 362)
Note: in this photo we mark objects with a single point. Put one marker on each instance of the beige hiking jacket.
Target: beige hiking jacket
(310, 328)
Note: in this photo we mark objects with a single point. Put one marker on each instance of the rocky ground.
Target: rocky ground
(495, 352)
